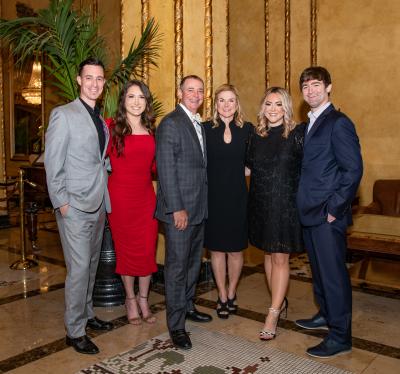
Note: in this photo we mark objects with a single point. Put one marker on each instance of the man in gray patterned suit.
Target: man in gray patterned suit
(76, 143)
(182, 205)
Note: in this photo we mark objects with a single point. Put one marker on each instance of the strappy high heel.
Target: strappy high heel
(222, 309)
(134, 320)
(232, 307)
(150, 318)
(266, 334)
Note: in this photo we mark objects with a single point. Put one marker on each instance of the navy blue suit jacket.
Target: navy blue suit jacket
(331, 171)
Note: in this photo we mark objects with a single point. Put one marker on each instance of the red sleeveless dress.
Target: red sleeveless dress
(133, 201)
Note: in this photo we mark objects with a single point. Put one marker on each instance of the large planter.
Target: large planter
(108, 287)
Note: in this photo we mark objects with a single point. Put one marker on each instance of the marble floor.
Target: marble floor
(32, 331)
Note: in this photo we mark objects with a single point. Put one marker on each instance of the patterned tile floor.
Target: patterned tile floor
(32, 332)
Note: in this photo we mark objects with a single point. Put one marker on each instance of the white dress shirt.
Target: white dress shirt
(314, 115)
(196, 124)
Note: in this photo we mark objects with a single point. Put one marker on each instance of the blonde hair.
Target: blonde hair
(238, 116)
(288, 123)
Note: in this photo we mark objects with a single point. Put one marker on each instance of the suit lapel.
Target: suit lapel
(318, 123)
(107, 135)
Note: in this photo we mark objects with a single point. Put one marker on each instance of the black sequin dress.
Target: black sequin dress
(275, 164)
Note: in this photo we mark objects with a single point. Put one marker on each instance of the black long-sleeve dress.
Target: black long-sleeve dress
(275, 164)
(226, 226)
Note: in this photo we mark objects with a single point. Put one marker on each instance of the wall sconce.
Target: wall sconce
(33, 92)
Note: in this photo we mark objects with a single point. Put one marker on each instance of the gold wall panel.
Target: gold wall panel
(130, 23)
(299, 52)
(194, 38)
(220, 42)
(360, 47)
(247, 53)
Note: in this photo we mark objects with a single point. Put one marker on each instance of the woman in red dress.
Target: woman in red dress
(134, 230)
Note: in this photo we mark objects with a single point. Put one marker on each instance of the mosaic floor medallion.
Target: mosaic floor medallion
(212, 353)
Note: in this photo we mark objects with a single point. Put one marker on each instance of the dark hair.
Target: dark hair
(315, 72)
(90, 61)
(192, 76)
(121, 127)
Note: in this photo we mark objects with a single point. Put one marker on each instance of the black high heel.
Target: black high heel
(222, 309)
(284, 307)
(232, 307)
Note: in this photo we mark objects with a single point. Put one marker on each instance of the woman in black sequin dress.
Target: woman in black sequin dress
(274, 156)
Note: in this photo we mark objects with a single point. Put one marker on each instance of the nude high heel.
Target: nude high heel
(150, 318)
(132, 320)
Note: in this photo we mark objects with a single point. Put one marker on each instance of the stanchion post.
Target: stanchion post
(23, 263)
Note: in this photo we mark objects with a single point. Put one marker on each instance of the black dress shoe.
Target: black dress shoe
(315, 323)
(98, 324)
(82, 345)
(196, 316)
(329, 348)
(181, 339)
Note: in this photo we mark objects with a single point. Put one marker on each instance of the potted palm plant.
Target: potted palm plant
(66, 37)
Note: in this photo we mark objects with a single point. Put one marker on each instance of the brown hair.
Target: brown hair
(122, 128)
(315, 72)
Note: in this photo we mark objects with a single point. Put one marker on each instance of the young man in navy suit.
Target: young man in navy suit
(331, 173)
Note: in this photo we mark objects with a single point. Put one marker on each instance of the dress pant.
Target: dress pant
(326, 247)
(182, 267)
(81, 235)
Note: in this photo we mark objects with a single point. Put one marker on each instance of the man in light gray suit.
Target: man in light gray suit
(182, 205)
(76, 143)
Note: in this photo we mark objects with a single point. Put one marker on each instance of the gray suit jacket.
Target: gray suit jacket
(181, 169)
(75, 171)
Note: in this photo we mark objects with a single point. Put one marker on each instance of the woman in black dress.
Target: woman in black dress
(274, 156)
(226, 227)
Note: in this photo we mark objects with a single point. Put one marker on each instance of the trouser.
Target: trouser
(81, 235)
(182, 267)
(326, 247)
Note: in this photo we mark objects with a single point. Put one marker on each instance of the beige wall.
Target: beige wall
(356, 40)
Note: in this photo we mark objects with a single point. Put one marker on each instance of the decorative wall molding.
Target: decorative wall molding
(227, 42)
(313, 29)
(145, 19)
(208, 49)
(266, 36)
(178, 20)
(287, 45)
(122, 28)
(95, 9)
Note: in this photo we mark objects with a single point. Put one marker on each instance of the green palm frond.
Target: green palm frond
(146, 52)
(66, 38)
